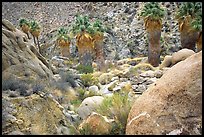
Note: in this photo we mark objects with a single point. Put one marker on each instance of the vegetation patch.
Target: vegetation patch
(116, 107)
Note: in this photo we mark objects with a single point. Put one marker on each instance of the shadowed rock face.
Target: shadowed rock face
(173, 104)
(19, 55)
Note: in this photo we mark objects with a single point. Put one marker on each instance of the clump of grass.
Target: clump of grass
(86, 130)
(141, 67)
(81, 93)
(88, 80)
(84, 69)
(76, 103)
(116, 106)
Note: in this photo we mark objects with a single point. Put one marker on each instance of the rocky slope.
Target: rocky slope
(126, 37)
(67, 100)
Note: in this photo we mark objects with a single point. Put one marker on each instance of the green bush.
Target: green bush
(76, 102)
(84, 69)
(88, 80)
(117, 106)
(81, 93)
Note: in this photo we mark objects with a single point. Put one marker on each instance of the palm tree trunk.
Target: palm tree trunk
(100, 60)
(65, 51)
(85, 48)
(154, 48)
(34, 40)
(187, 34)
(188, 39)
(153, 28)
(86, 59)
(199, 42)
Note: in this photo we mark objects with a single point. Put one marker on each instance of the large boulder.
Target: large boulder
(173, 104)
(89, 105)
(34, 115)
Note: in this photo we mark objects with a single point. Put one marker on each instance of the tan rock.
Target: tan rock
(96, 124)
(166, 62)
(36, 115)
(8, 25)
(89, 105)
(173, 103)
(181, 55)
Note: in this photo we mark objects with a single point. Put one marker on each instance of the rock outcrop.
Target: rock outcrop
(34, 115)
(19, 56)
(89, 105)
(171, 104)
(176, 57)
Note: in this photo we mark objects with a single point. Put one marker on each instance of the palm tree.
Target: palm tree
(35, 31)
(25, 26)
(153, 13)
(197, 25)
(189, 16)
(84, 40)
(98, 36)
(64, 41)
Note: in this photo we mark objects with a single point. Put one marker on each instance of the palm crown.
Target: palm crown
(194, 10)
(152, 10)
(83, 23)
(34, 26)
(24, 21)
(62, 34)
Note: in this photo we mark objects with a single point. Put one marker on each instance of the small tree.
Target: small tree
(25, 26)
(84, 40)
(189, 16)
(63, 40)
(153, 13)
(98, 36)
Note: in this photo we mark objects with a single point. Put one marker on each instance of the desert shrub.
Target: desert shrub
(38, 87)
(76, 102)
(15, 84)
(86, 130)
(68, 77)
(88, 80)
(116, 106)
(81, 93)
(84, 69)
(63, 86)
(141, 67)
(91, 93)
